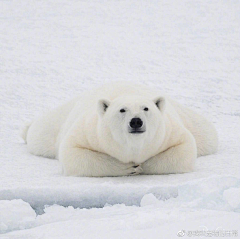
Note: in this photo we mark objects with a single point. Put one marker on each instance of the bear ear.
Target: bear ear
(160, 102)
(102, 106)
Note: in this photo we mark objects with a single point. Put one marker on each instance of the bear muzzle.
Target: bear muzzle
(136, 126)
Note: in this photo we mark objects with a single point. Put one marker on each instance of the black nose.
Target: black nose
(136, 123)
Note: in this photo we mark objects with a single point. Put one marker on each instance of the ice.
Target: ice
(148, 199)
(232, 196)
(120, 221)
(52, 51)
(207, 193)
(215, 194)
(89, 192)
(15, 214)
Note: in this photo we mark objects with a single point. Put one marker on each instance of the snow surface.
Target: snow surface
(54, 50)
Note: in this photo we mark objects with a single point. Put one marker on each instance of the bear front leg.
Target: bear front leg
(88, 163)
(176, 159)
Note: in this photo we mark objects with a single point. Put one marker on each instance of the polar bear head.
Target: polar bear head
(132, 122)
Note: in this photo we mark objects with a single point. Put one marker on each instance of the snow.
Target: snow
(149, 199)
(232, 196)
(54, 50)
(15, 214)
(119, 221)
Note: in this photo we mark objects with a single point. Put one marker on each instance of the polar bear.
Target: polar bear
(122, 129)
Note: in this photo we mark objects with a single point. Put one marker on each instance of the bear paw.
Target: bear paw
(135, 170)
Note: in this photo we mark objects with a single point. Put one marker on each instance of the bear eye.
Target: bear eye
(122, 110)
(145, 109)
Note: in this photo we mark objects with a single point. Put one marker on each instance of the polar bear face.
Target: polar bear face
(132, 121)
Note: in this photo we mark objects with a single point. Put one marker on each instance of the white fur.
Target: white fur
(90, 136)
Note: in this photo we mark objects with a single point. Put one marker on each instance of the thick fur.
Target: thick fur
(91, 137)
